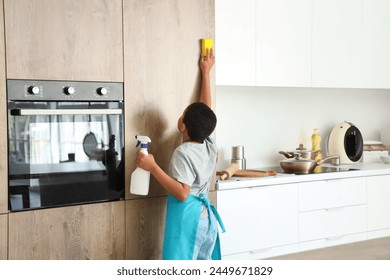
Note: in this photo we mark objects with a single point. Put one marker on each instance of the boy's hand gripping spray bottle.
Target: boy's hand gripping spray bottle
(140, 178)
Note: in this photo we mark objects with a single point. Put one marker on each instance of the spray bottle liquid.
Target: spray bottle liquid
(140, 178)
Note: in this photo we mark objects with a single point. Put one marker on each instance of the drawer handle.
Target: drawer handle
(334, 238)
(335, 208)
(260, 250)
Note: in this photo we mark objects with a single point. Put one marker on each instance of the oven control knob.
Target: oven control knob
(102, 91)
(69, 90)
(33, 90)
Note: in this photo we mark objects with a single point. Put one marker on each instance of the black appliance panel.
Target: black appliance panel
(64, 150)
(353, 144)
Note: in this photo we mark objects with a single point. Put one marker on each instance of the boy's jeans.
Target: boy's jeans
(205, 238)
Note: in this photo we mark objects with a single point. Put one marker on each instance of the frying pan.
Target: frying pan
(90, 144)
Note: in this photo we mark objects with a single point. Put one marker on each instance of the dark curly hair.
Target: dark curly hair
(200, 121)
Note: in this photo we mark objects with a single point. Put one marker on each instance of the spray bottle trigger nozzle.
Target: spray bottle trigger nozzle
(138, 143)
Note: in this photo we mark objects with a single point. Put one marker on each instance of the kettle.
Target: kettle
(346, 141)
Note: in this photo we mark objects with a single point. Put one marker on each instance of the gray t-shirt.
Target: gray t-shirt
(193, 164)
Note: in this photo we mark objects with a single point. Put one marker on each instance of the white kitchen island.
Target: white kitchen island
(272, 216)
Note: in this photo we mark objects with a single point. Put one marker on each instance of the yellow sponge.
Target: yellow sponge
(207, 44)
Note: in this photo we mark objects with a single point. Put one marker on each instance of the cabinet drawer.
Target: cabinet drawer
(333, 241)
(332, 222)
(332, 193)
(257, 218)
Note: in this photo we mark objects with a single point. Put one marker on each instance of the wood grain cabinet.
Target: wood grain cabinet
(64, 40)
(145, 224)
(3, 236)
(93, 231)
(162, 75)
(3, 123)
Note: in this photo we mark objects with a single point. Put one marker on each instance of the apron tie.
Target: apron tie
(211, 209)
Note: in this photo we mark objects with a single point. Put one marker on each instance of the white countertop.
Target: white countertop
(364, 169)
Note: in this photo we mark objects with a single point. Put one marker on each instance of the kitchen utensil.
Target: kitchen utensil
(238, 157)
(238, 152)
(229, 172)
(254, 173)
(302, 151)
(240, 162)
(248, 173)
(90, 144)
(346, 141)
(299, 165)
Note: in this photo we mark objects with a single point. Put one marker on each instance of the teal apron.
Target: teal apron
(181, 225)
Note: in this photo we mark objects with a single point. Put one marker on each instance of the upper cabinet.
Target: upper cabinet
(283, 43)
(263, 43)
(337, 43)
(307, 43)
(376, 43)
(64, 40)
(235, 45)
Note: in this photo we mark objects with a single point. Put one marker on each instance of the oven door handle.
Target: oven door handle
(47, 112)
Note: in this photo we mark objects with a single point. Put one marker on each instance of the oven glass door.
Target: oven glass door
(64, 153)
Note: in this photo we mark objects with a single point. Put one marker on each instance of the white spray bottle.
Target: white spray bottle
(140, 178)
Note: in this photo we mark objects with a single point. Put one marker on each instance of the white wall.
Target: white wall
(267, 120)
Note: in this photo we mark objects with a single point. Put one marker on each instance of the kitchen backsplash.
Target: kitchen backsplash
(267, 120)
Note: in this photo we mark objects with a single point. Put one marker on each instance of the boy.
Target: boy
(191, 222)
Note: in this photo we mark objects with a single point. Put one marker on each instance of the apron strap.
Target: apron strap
(212, 210)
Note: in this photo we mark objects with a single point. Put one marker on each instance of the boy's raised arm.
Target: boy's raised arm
(206, 63)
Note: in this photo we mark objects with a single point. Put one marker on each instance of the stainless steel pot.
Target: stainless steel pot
(306, 154)
(299, 165)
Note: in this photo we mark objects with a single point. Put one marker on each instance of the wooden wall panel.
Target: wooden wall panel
(93, 231)
(162, 75)
(3, 123)
(3, 236)
(145, 223)
(64, 40)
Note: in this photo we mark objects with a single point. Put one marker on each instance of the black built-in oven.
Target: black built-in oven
(65, 143)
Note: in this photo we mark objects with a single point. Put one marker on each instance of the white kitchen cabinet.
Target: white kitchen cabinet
(332, 209)
(378, 202)
(283, 43)
(235, 42)
(303, 43)
(337, 43)
(328, 194)
(376, 43)
(332, 222)
(257, 218)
